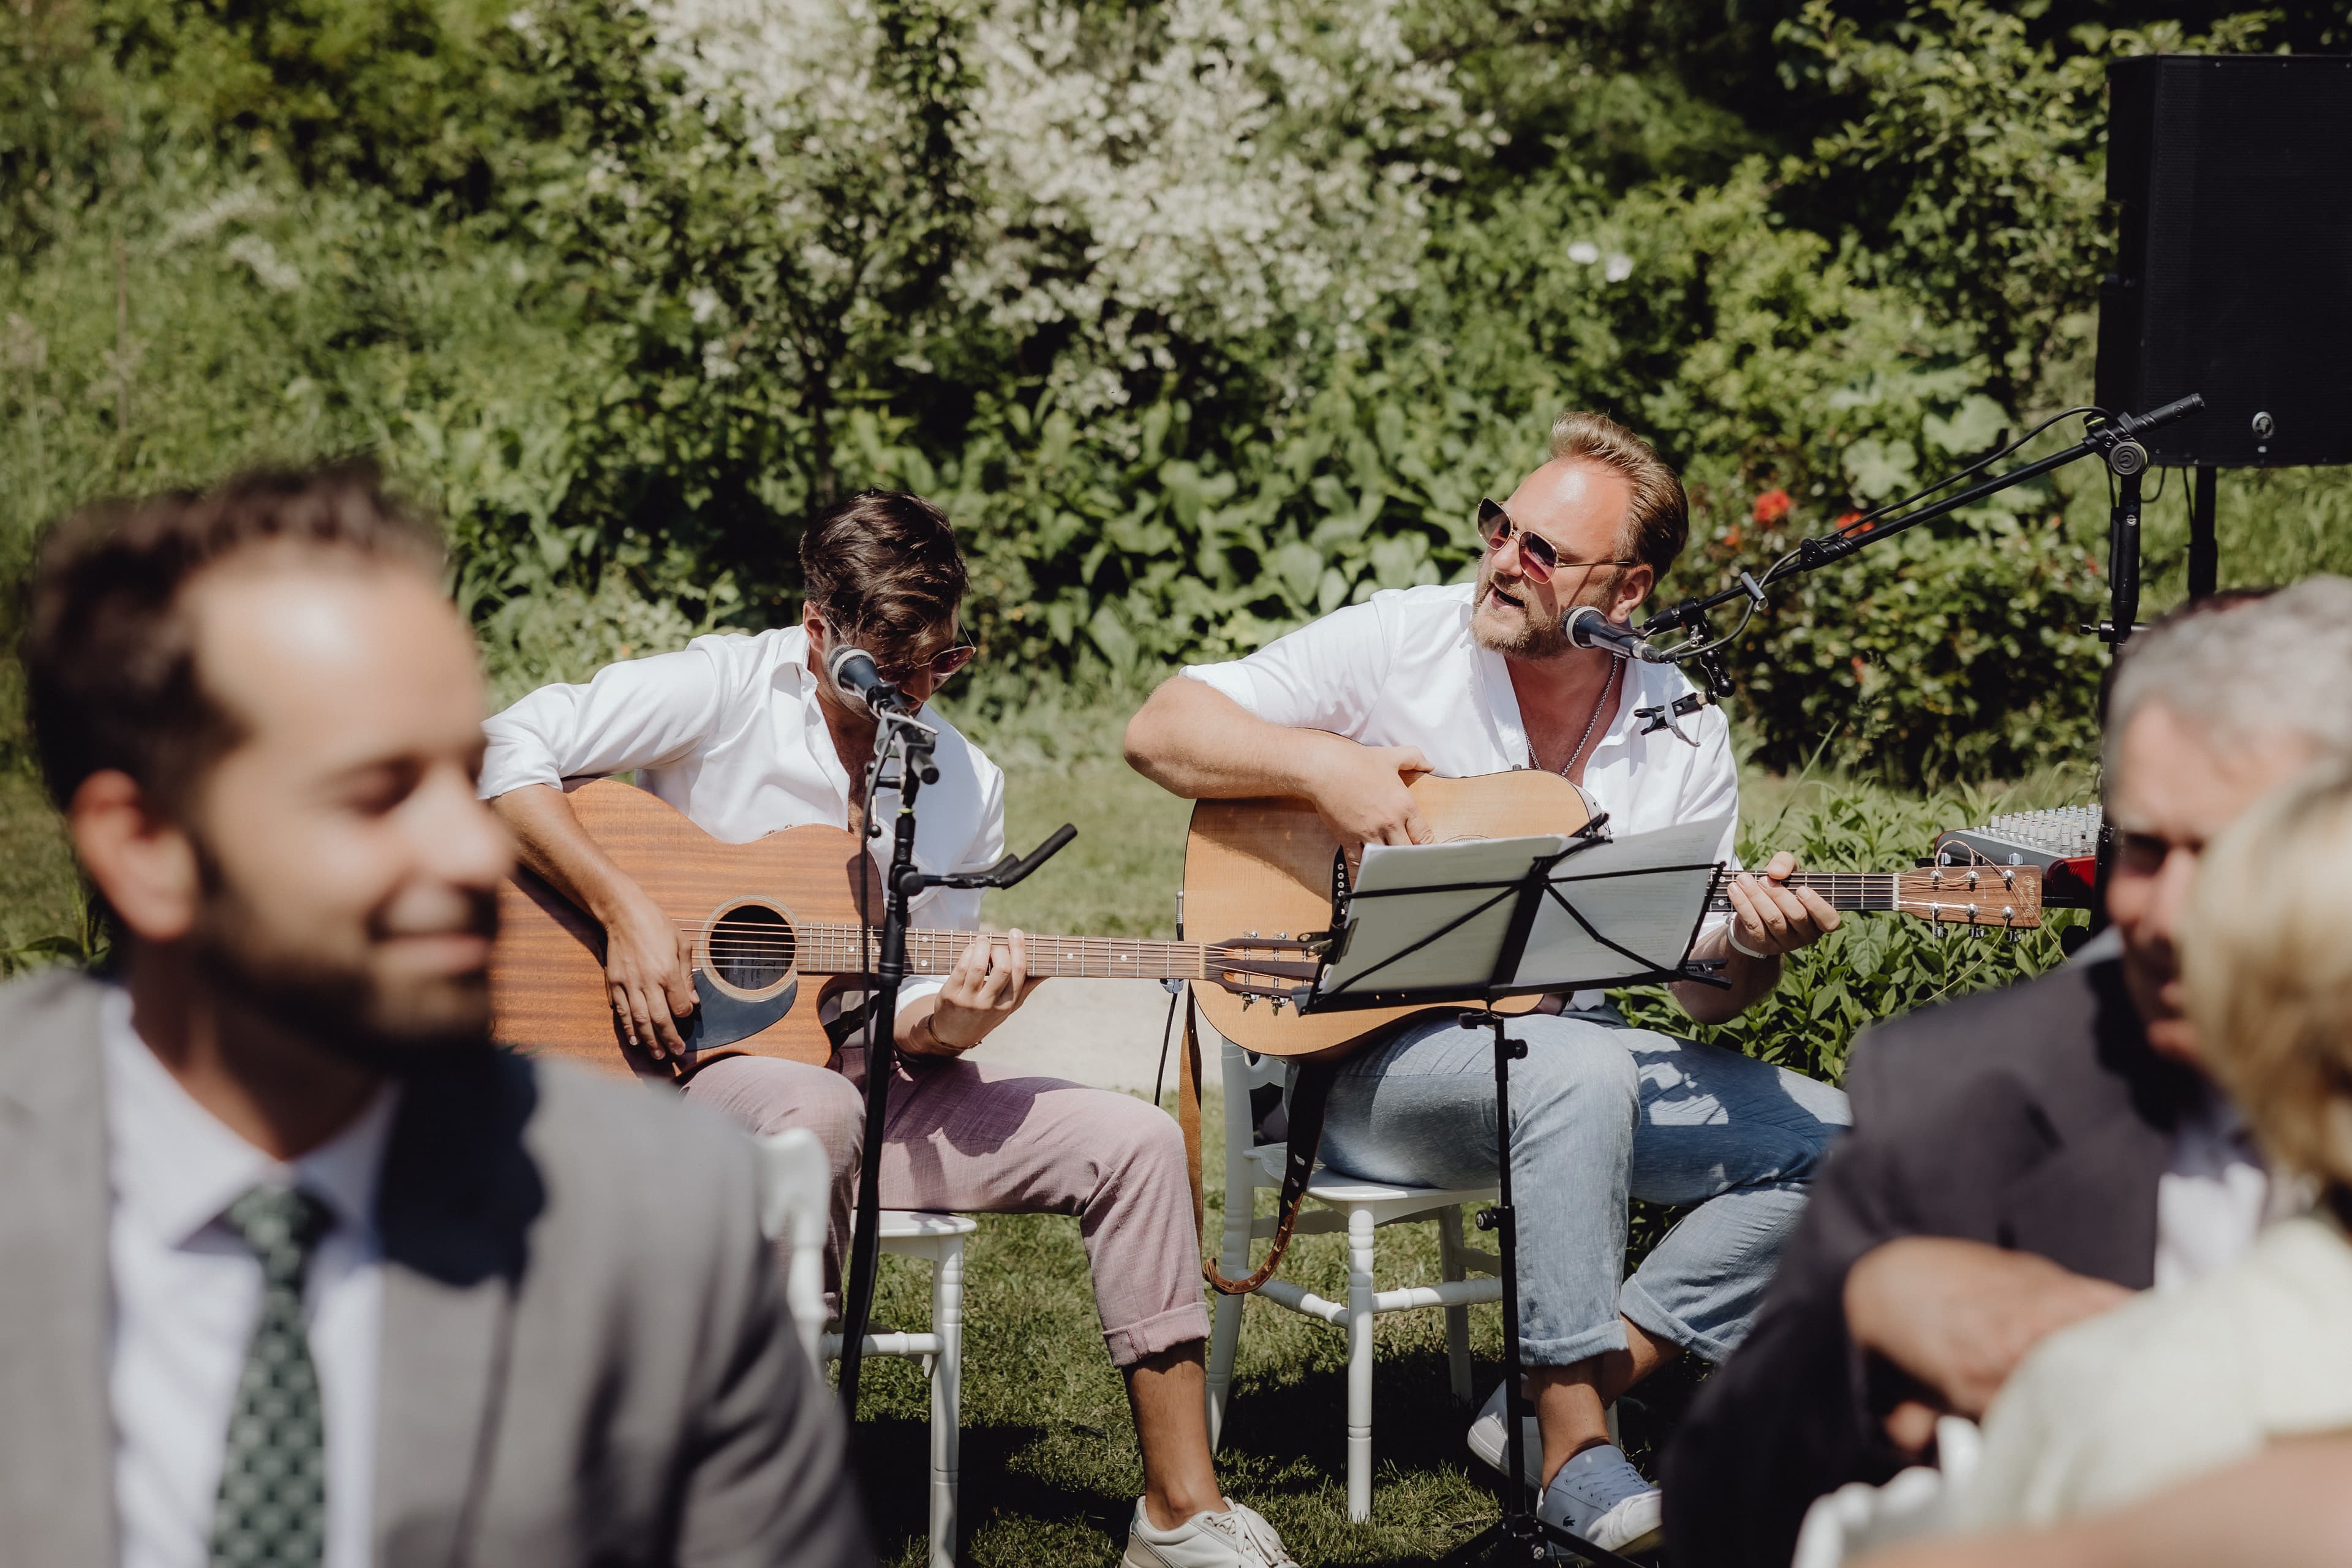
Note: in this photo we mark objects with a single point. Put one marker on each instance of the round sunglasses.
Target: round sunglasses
(1538, 558)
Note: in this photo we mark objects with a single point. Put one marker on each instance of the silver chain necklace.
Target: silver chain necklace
(1616, 662)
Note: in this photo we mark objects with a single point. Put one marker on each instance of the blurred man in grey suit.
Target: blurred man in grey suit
(294, 1268)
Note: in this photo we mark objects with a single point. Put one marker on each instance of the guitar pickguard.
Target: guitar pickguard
(721, 1019)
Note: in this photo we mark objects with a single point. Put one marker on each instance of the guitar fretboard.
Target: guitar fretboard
(848, 950)
(1838, 890)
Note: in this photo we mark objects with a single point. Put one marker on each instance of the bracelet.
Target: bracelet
(1731, 934)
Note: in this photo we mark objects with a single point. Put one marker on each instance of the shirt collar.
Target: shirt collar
(175, 1167)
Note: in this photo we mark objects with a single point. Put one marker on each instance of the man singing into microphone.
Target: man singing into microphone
(746, 735)
(1482, 678)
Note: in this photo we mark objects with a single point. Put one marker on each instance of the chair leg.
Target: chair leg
(1457, 1319)
(1224, 1339)
(1359, 1365)
(947, 1397)
(1232, 1255)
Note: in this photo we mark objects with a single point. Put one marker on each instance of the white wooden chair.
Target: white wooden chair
(1358, 1208)
(792, 1205)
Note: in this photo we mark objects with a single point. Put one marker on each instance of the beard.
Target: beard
(1524, 634)
(336, 994)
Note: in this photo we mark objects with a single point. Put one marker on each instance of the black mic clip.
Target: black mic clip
(1665, 715)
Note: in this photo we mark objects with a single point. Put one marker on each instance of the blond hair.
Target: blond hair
(2268, 965)
(1658, 524)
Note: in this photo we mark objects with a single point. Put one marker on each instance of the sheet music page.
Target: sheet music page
(1620, 890)
(1387, 926)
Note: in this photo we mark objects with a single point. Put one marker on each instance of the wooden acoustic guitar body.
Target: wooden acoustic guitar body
(547, 971)
(1262, 867)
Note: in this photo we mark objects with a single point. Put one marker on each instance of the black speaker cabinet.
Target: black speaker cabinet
(2234, 273)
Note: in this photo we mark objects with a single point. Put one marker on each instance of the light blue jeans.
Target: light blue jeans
(1601, 1111)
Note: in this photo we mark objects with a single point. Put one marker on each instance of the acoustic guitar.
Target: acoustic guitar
(762, 918)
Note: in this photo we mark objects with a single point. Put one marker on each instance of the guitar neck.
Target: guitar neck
(851, 949)
(1838, 890)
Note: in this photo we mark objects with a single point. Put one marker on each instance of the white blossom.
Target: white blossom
(1619, 267)
(1201, 169)
(273, 273)
(1584, 253)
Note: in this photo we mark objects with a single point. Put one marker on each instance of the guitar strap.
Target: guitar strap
(1188, 1113)
(1310, 1093)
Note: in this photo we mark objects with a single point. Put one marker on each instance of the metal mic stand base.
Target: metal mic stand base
(1520, 1537)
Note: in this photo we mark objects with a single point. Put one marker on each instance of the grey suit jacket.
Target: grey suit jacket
(585, 1355)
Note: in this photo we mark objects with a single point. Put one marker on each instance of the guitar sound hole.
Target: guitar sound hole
(751, 947)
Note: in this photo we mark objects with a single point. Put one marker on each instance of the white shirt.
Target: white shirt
(2213, 1197)
(1403, 669)
(728, 729)
(186, 1293)
(2171, 1385)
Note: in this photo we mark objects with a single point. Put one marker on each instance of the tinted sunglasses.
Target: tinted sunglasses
(1538, 558)
(942, 664)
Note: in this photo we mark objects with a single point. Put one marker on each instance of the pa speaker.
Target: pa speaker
(2234, 269)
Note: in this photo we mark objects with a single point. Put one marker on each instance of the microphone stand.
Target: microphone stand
(912, 741)
(2115, 440)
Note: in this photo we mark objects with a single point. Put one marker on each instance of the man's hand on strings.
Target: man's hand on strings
(986, 985)
(1771, 918)
(1360, 794)
(649, 978)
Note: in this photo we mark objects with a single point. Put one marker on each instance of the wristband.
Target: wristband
(1731, 934)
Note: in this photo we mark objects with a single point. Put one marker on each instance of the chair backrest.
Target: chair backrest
(794, 1181)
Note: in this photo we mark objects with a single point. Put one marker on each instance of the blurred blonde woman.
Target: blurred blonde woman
(2121, 1412)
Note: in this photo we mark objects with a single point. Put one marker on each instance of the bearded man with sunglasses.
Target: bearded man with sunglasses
(1477, 679)
(746, 736)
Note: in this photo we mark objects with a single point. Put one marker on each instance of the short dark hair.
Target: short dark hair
(109, 649)
(883, 567)
(1657, 525)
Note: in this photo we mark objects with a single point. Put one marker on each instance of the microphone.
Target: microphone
(1588, 627)
(855, 675)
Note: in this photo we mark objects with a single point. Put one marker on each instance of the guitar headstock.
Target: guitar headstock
(1974, 891)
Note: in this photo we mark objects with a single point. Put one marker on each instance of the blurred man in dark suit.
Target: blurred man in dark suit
(2024, 1159)
(295, 1268)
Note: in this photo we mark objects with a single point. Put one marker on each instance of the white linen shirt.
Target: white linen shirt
(186, 1293)
(1403, 669)
(727, 731)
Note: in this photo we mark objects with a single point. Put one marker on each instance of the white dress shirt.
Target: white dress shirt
(728, 729)
(2214, 1197)
(1403, 669)
(186, 1293)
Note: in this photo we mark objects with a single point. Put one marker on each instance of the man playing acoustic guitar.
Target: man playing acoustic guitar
(1477, 679)
(745, 736)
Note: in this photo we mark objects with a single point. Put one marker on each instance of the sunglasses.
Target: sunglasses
(1539, 559)
(942, 664)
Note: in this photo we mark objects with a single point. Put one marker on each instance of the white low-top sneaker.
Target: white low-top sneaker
(1600, 1496)
(1486, 1437)
(1232, 1536)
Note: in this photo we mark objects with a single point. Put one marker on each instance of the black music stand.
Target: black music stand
(1479, 922)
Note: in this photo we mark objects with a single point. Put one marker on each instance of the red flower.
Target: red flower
(1731, 540)
(1772, 506)
(1848, 521)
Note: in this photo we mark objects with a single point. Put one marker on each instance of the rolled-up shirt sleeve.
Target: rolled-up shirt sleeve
(1327, 675)
(643, 713)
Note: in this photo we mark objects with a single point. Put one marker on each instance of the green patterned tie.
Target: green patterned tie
(272, 1512)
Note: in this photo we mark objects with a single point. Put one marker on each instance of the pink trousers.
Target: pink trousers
(971, 1138)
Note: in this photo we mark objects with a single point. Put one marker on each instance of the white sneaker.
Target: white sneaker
(1236, 1537)
(1600, 1496)
(1486, 1437)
